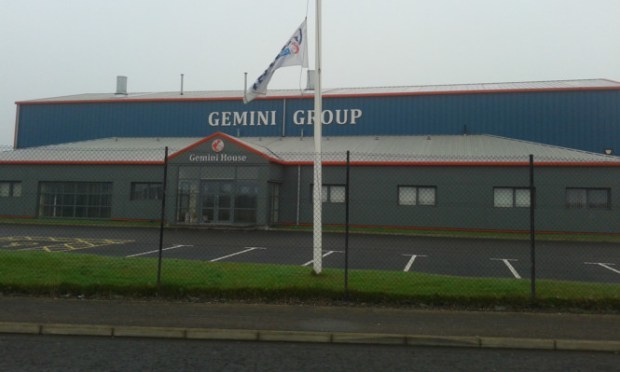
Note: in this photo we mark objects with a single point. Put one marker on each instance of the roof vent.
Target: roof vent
(121, 86)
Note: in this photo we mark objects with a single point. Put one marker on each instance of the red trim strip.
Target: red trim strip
(19, 217)
(456, 164)
(362, 95)
(228, 138)
(332, 163)
(77, 162)
(135, 220)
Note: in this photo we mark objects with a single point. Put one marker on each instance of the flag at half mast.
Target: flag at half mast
(294, 52)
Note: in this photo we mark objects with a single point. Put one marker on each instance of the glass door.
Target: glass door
(216, 201)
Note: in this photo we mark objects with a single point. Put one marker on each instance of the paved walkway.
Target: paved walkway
(302, 323)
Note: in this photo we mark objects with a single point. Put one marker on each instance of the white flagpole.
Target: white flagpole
(318, 177)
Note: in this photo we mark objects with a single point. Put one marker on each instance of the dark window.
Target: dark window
(75, 199)
(146, 191)
(10, 189)
(592, 198)
(246, 202)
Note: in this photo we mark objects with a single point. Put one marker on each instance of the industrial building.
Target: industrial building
(436, 157)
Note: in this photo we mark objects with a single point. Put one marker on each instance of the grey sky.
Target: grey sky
(52, 48)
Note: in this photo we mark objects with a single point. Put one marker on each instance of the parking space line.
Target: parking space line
(510, 267)
(327, 253)
(157, 250)
(605, 265)
(249, 249)
(410, 263)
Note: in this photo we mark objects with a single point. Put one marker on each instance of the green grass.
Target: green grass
(41, 273)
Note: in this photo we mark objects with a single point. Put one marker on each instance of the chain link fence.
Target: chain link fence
(407, 220)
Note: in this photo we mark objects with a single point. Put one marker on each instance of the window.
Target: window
(75, 199)
(333, 194)
(511, 197)
(581, 198)
(10, 189)
(417, 195)
(246, 202)
(146, 191)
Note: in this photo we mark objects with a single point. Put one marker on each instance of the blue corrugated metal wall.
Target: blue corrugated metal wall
(587, 120)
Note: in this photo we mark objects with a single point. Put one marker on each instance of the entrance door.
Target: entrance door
(216, 201)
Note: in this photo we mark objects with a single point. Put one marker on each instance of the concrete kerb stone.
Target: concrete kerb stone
(295, 336)
(222, 334)
(23, 328)
(151, 332)
(307, 336)
(76, 330)
(455, 341)
(585, 345)
(369, 338)
(517, 343)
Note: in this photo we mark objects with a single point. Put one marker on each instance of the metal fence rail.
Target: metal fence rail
(506, 218)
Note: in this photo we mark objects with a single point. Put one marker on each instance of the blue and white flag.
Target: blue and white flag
(294, 52)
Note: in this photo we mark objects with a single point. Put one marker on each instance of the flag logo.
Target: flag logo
(294, 48)
(294, 52)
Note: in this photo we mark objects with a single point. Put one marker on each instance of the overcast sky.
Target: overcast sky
(52, 48)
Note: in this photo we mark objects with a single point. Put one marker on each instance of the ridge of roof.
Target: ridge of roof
(428, 149)
(529, 86)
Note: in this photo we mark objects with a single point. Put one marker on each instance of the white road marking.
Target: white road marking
(510, 267)
(605, 265)
(413, 257)
(236, 254)
(327, 253)
(157, 250)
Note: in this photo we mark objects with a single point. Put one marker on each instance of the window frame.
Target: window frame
(75, 199)
(417, 189)
(150, 186)
(513, 190)
(588, 203)
(327, 192)
(11, 188)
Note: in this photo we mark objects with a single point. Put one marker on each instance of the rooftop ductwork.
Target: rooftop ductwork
(121, 86)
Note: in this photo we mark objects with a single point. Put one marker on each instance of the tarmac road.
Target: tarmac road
(49, 334)
(62, 353)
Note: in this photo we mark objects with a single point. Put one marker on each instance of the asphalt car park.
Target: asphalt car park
(492, 258)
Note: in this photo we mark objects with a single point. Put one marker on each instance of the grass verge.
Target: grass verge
(40, 273)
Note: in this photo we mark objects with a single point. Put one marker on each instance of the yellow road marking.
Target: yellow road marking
(55, 244)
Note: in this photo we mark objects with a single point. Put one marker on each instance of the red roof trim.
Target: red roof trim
(458, 164)
(228, 138)
(77, 162)
(361, 95)
(328, 163)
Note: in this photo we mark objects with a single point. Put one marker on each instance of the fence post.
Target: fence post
(532, 230)
(163, 216)
(346, 229)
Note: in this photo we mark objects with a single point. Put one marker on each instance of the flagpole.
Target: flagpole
(318, 176)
